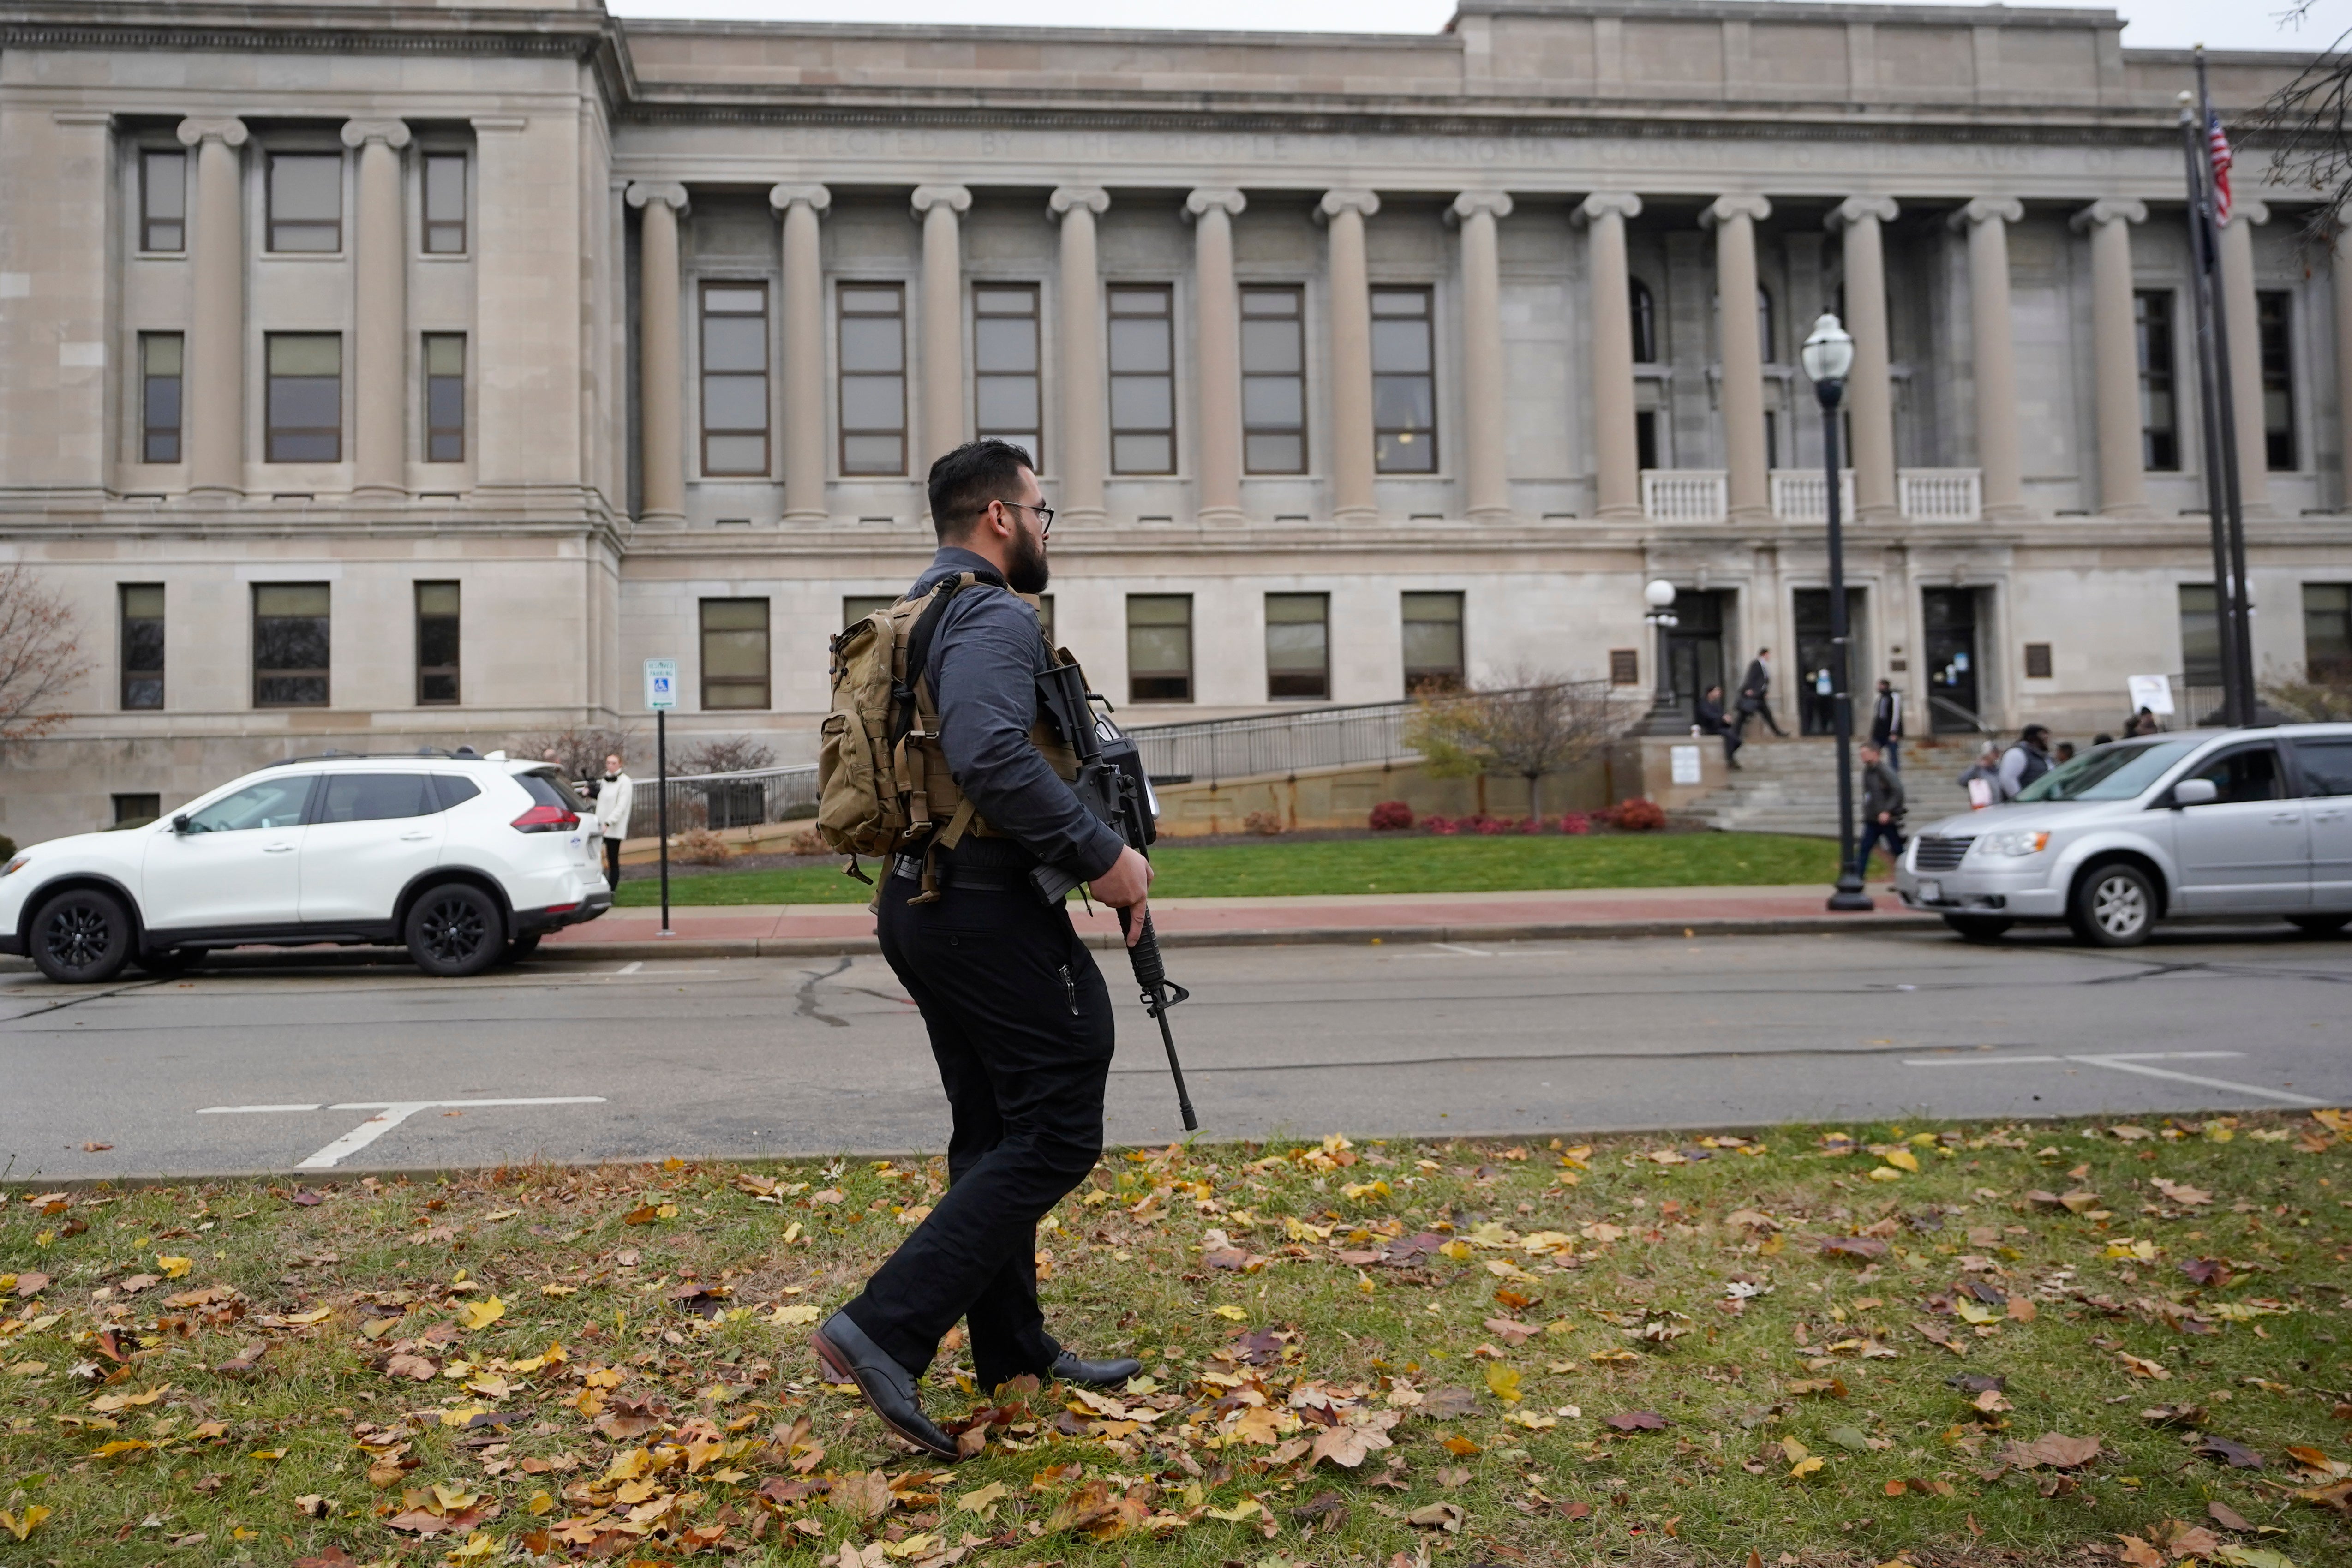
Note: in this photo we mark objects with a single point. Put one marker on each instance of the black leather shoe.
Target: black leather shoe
(850, 1357)
(1068, 1368)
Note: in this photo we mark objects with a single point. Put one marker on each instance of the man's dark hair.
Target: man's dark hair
(965, 480)
(2033, 732)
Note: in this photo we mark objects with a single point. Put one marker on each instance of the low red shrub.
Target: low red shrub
(1444, 826)
(1482, 823)
(1576, 822)
(1640, 816)
(1390, 817)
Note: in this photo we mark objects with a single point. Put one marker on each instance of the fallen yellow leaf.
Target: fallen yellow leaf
(481, 1314)
(174, 1268)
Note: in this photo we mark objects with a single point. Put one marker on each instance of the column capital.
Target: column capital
(393, 133)
(1215, 198)
(1469, 204)
(1362, 203)
(2108, 209)
(955, 198)
(228, 129)
(1723, 210)
(1987, 209)
(784, 197)
(670, 194)
(1607, 204)
(2251, 210)
(1066, 198)
(1854, 209)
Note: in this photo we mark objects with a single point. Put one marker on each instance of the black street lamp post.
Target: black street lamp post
(1828, 355)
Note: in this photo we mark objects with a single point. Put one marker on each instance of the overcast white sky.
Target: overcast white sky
(2153, 24)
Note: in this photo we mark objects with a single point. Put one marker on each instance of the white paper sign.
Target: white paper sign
(1684, 761)
(661, 683)
(2153, 692)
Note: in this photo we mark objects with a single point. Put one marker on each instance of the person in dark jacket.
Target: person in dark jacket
(1882, 809)
(1887, 725)
(1709, 718)
(2026, 762)
(1756, 693)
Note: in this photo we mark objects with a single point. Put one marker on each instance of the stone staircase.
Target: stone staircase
(1790, 786)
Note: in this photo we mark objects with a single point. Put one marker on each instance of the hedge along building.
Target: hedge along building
(379, 377)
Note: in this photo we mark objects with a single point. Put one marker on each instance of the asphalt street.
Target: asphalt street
(370, 1066)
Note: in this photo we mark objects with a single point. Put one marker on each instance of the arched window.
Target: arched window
(1764, 323)
(1645, 324)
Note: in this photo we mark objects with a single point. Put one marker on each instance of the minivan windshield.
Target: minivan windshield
(2110, 773)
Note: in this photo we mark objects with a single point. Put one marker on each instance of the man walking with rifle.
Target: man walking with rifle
(1018, 1018)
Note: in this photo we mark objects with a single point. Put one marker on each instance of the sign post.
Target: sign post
(661, 696)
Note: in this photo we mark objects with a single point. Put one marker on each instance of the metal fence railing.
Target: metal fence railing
(719, 801)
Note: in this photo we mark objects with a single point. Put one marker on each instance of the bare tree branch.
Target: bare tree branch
(41, 656)
(2306, 128)
(1533, 724)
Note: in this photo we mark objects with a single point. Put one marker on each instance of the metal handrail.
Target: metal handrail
(751, 797)
(1280, 744)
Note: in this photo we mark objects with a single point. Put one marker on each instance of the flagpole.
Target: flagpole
(2217, 508)
(2241, 608)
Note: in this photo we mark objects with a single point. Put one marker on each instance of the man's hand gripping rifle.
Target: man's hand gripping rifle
(1112, 783)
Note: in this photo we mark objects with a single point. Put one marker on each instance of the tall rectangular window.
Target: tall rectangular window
(159, 361)
(1274, 381)
(1433, 643)
(1404, 383)
(2160, 408)
(2328, 631)
(444, 397)
(436, 643)
(1004, 366)
(2200, 635)
(734, 378)
(306, 397)
(734, 653)
(873, 328)
(141, 610)
(291, 643)
(1160, 648)
(306, 202)
(2274, 323)
(1297, 647)
(1143, 380)
(163, 200)
(444, 204)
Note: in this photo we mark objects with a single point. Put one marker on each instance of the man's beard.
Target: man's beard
(1025, 571)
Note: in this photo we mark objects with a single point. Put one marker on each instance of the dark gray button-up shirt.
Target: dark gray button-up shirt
(986, 656)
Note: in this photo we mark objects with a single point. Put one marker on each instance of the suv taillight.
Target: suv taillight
(547, 819)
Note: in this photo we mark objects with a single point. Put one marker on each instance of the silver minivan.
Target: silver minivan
(2205, 822)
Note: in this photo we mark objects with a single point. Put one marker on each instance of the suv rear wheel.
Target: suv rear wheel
(2114, 905)
(81, 937)
(455, 930)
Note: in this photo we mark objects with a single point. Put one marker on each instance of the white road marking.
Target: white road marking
(631, 968)
(240, 1110)
(1456, 947)
(391, 1113)
(2131, 1062)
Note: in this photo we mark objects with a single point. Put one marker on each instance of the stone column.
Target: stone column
(2115, 353)
(660, 367)
(380, 282)
(1085, 418)
(1734, 220)
(1218, 360)
(2240, 310)
(1486, 472)
(803, 323)
(1867, 390)
(942, 327)
(213, 397)
(1616, 448)
(1351, 355)
(2340, 259)
(2001, 473)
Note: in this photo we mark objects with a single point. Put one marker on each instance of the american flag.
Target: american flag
(2217, 147)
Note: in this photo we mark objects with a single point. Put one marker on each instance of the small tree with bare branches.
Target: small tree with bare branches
(41, 656)
(579, 753)
(2306, 126)
(1535, 723)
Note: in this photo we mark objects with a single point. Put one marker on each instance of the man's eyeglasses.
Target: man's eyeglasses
(1045, 516)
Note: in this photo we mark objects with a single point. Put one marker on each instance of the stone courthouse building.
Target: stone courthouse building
(375, 375)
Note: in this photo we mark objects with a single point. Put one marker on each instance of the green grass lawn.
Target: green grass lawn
(1408, 863)
(1985, 1346)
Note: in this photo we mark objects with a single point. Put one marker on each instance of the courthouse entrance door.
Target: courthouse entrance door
(1815, 712)
(1955, 665)
(1695, 646)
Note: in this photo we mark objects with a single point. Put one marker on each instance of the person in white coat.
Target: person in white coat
(614, 798)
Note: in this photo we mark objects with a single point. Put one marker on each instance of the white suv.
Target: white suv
(465, 859)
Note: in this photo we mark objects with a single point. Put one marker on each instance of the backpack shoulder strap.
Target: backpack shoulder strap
(926, 625)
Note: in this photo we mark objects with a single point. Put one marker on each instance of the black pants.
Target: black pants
(1761, 711)
(1021, 1025)
(1872, 833)
(613, 861)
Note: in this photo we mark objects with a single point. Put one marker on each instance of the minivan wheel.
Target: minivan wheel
(2114, 906)
(1978, 928)
(455, 931)
(81, 937)
(2319, 925)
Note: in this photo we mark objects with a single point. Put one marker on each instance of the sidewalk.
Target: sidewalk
(755, 930)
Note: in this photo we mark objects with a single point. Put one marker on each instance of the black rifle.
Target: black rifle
(1113, 785)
